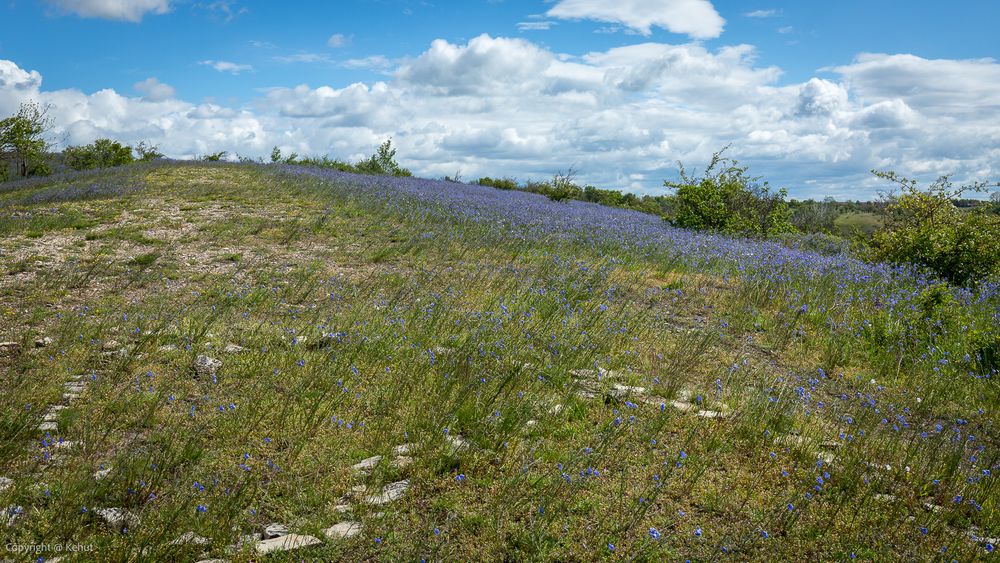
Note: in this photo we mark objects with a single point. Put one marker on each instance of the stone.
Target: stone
(52, 414)
(275, 531)
(233, 349)
(117, 518)
(6, 483)
(102, 472)
(711, 414)
(190, 538)
(10, 515)
(48, 426)
(457, 443)
(8, 348)
(74, 387)
(69, 397)
(206, 366)
(67, 445)
(401, 462)
(110, 346)
(43, 342)
(683, 406)
(286, 543)
(342, 508)
(404, 449)
(555, 409)
(880, 497)
(390, 492)
(168, 348)
(343, 530)
(366, 466)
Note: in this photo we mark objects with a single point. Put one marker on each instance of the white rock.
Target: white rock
(6, 483)
(190, 538)
(48, 426)
(343, 530)
(286, 543)
(102, 472)
(401, 462)
(168, 348)
(390, 492)
(366, 466)
(9, 347)
(457, 443)
(10, 515)
(233, 349)
(683, 406)
(342, 508)
(206, 366)
(43, 342)
(405, 449)
(711, 414)
(275, 531)
(117, 518)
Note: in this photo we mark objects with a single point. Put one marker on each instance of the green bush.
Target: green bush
(925, 227)
(727, 199)
(499, 183)
(215, 156)
(147, 151)
(383, 162)
(102, 153)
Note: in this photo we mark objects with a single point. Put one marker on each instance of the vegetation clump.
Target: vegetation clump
(727, 199)
(925, 227)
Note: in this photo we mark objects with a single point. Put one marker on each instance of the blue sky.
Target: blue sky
(787, 83)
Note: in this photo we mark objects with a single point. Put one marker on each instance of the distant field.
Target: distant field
(849, 224)
(246, 362)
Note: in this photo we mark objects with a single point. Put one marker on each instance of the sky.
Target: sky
(810, 95)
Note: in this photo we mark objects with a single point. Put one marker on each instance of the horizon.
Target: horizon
(811, 97)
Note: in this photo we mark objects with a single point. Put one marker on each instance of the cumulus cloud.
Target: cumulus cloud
(763, 13)
(122, 10)
(153, 90)
(622, 117)
(227, 66)
(696, 18)
(338, 40)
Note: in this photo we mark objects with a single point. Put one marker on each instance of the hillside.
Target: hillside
(406, 369)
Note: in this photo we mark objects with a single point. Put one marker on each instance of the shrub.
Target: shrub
(22, 139)
(102, 153)
(562, 187)
(925, 227)
(499, 183)
(729, 200)
(147, 151)
(382, 162)
(215, 156)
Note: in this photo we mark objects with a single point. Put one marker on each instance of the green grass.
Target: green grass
(850, 224)
(364, 326)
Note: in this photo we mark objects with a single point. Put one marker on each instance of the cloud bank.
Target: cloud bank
(122, 10)
(622, 117)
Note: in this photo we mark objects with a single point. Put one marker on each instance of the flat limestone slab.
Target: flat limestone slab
(286, 543)
(343, 530)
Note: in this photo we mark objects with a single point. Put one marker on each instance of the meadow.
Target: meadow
(211, 361)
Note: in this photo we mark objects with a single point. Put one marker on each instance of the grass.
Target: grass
(368, 322)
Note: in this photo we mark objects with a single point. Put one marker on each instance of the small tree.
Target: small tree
(382, 162)
(729, 200)
(102, 153)
(147, 151)
(22, 138)
(925, 227)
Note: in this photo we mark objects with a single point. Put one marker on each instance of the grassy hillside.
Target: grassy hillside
(213, 349)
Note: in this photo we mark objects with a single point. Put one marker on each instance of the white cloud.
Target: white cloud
(543, 25)
(373, 62)
(123, 10)
(338, 40)
(622, 117)
(303, 58)
(153, 90)
(696, 18)
(763, 13)
(227, 66)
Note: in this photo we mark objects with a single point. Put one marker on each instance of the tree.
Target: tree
(147, 151)
(382, 162)
(102, 153)
(727, 199)
(925, 227)
(22, 138)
